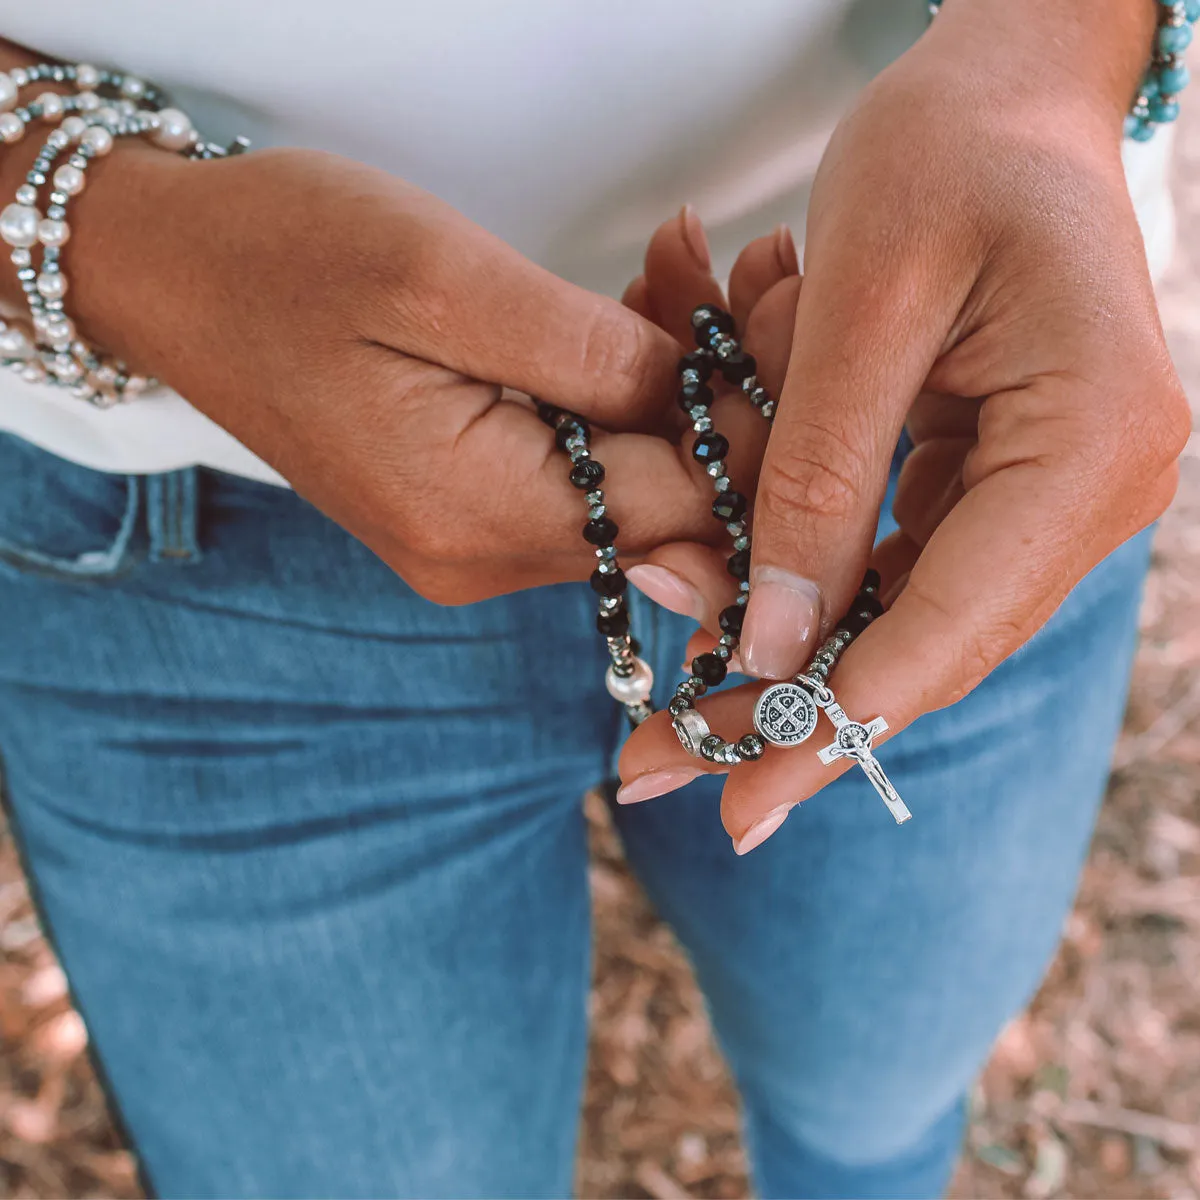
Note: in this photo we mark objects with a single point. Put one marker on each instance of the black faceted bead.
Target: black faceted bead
(600, 532)
(740, 366)
(710, 747)
(565, 432)
(750, 747)
(689, 398)
(739, 564)
(871, 581)
(608, 583)
(614, 622)
(697, 361)
(710, 668)
(729, 506)
(854, 623)
(868, 602)
(731, 619)
(587, 474)
(709, 323)
(678, 705)
(710, 447)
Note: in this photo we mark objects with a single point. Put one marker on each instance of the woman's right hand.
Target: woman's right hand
(355, 332)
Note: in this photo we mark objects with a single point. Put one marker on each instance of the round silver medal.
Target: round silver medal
(785, 714)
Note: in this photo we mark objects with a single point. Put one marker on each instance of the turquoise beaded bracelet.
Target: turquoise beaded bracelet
(1157, 101)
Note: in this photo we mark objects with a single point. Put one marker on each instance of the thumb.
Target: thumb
(858, 361)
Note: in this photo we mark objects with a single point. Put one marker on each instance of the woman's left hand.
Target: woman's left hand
(973, 267)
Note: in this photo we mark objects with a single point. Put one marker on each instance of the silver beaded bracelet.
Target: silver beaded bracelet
(109, 105)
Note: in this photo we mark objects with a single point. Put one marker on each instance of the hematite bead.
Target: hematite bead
(600, 532)
(739, 564)
(738, 367)
(871, 581)
(678, 705)
(731, 619)
(711, 747)
(701, 396)
(697, 361)
(614, 623)
(608, 583)
(710, 668)
(854, 623)
(585, 475)
(750, 747)
(710, 448)
(868, 602)
(729, 506)
(709, 323)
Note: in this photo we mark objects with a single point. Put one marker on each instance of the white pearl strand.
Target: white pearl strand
(47, 350)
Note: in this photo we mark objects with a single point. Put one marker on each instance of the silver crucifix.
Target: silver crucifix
(853, 741)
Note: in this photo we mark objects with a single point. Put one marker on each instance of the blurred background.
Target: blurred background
(1095, 1093)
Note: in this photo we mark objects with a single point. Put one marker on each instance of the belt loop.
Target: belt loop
(172, 515)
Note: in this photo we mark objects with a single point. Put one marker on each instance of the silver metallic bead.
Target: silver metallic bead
(691, 729)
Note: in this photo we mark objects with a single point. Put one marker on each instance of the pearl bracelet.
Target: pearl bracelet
(110, 105)
(1157, 99)
(786, 713)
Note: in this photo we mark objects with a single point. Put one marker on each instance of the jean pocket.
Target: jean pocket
(62, 520)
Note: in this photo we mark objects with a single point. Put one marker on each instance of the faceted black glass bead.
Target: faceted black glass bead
(600, 532)
(611, 583)
(565, 432)
(689, 398)
(871, 580)
(731, 619)
(854, 624)
(709, 323)
(587, 474)
(697, 361)
(613, 623)
(729, 506)
(868, 602)
(740, 366)
(710, 447)
(710, 668)
(739, 564)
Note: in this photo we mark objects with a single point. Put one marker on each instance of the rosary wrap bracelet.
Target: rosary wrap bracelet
(786, 713)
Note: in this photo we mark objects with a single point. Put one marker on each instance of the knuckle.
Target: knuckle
(616, 351)
(805, 486)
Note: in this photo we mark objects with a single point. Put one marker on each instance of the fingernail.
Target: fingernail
(668, 589)
(695, 237)
(785, 251)
(762, 829)
(781, 622)
(655, 783)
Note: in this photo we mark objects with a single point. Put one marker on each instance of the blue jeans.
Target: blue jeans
(312, 852)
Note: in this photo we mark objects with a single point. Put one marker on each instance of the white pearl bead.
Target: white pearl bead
(98, 140)
(12, 128)
(26, 194)
(53, 233)
(58, 140)
(52, 286)
(60, 330)
(87, 77)
(18, 225)
(52, 105)
(630, 689)
(14, 344)
(174, 130)
(69, 179)
(73, 127)
(68, 372)
(107, 114)
(34, 372)
(135, 385)
(132, 87)
(19, 76)
(87, 102)
(8, 92)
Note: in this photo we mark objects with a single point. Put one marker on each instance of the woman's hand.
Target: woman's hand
(973, 266)
(356, 332)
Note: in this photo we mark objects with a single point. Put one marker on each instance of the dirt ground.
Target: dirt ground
(1095, 1093)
